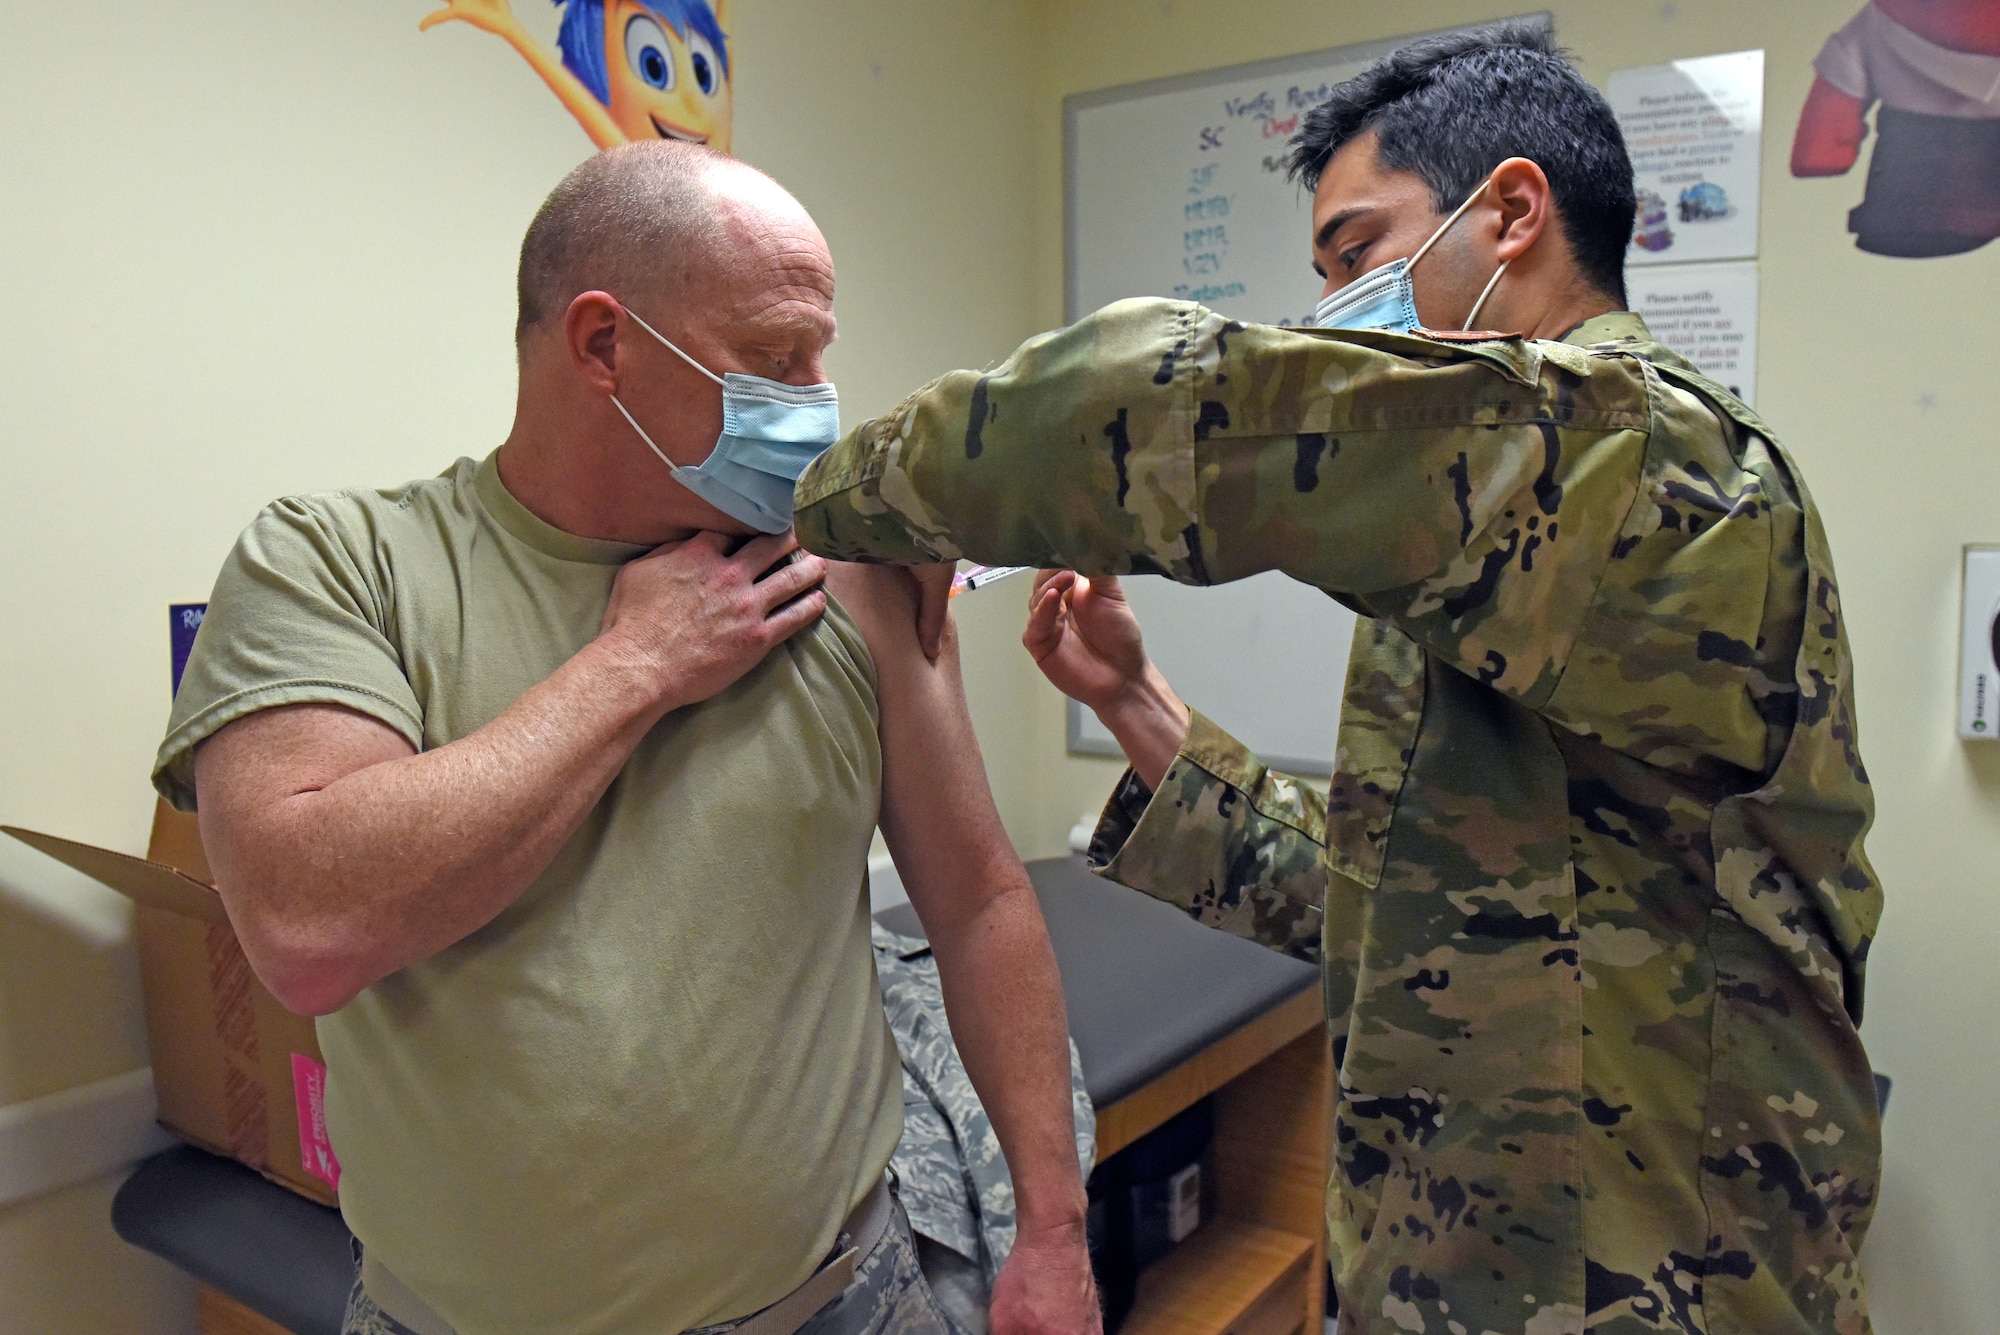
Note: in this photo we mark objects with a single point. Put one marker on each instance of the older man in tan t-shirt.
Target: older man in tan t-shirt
(549, 786)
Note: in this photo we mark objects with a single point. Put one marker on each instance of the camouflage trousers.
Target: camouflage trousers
(888, 1297)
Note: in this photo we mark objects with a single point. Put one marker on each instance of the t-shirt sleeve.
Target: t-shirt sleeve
(1843, 61)
(297, 617)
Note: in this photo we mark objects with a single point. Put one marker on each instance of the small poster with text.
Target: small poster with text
(1695, 130)
(1708, 314)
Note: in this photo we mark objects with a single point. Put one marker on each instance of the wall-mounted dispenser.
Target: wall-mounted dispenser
(1979, 652)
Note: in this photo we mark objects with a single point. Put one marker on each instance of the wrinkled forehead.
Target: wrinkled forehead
(758, 261)
(791, 284)
(773, 280)
(784, 317)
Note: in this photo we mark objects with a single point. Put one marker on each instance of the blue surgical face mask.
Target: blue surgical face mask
(1386, 298)
(770, 432)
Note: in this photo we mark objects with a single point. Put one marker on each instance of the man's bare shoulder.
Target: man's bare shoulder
(882, 601)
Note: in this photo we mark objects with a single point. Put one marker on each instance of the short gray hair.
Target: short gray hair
(638, 221)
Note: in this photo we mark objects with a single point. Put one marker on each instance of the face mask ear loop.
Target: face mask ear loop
(648, 439)
(677, 352)
(1480, 304)
(1456, 214)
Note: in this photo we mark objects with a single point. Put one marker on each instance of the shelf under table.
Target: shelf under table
(1230, 1276)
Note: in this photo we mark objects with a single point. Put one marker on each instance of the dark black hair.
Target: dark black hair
(1452, 108)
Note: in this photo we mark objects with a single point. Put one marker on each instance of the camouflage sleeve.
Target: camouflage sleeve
(1233, 844)
(1469, 494)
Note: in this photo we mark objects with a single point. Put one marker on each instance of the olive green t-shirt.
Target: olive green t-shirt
(644, 1097)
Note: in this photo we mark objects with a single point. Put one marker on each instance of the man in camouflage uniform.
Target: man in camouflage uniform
(1588, 886)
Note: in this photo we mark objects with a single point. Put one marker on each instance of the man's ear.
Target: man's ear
(1520, 191)
(590, 333)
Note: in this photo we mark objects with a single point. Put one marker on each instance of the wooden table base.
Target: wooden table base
(216, 1313)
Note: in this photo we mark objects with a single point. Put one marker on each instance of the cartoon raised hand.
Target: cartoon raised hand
(494, 16)
(626, 69)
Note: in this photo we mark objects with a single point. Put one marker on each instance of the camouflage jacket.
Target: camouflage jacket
(952, 1176)
(1589, 880)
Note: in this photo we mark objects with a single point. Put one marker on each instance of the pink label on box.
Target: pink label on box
(315, 1146)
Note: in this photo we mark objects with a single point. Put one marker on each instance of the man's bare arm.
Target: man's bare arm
(1002, 992)
(344, 855)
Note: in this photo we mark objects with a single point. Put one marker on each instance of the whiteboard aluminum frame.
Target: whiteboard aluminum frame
(1076, 103)
(1256, 69)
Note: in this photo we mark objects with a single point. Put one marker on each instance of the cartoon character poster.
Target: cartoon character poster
(1931, 71)
(626, 69)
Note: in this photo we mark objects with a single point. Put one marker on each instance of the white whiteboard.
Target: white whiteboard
(1176, 188)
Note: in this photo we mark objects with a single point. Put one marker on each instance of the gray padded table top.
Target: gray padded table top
(1147, 986)
(275, 1252)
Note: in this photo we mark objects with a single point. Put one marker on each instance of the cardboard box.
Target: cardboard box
(236, 1072)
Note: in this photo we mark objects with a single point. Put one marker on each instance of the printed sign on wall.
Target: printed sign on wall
(1695, 131)
(628, 70)
(1708, 314)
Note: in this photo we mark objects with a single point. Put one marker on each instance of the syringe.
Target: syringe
(980, 576)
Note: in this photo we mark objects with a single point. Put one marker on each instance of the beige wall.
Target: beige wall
(257, 249)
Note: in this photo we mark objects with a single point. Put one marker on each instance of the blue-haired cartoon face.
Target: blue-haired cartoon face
(660, 67)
